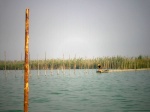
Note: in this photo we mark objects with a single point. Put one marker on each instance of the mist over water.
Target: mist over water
(82, 90)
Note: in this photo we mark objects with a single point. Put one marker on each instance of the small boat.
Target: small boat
(102, 71)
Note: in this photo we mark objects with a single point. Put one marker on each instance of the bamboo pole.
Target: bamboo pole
(26, 65)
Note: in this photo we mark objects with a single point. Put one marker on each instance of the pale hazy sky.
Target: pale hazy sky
(87, 28)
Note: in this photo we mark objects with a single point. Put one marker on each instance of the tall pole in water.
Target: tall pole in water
(26, 63)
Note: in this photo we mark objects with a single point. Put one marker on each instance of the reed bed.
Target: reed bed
(117, 62)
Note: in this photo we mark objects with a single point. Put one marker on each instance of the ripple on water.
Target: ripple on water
(126, 91)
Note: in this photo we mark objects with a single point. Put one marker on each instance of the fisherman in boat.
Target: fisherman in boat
(99, 66)
(99, 70)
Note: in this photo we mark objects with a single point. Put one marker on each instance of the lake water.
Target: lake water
(76, 92)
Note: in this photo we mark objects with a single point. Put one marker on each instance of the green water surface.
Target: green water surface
(82, 91)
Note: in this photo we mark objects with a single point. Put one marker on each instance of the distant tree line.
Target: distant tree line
(117, 62)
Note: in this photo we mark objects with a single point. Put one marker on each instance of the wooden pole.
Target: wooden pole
(26, 65)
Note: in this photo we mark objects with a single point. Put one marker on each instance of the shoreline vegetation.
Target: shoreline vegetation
(114, 64)
(128, 70)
